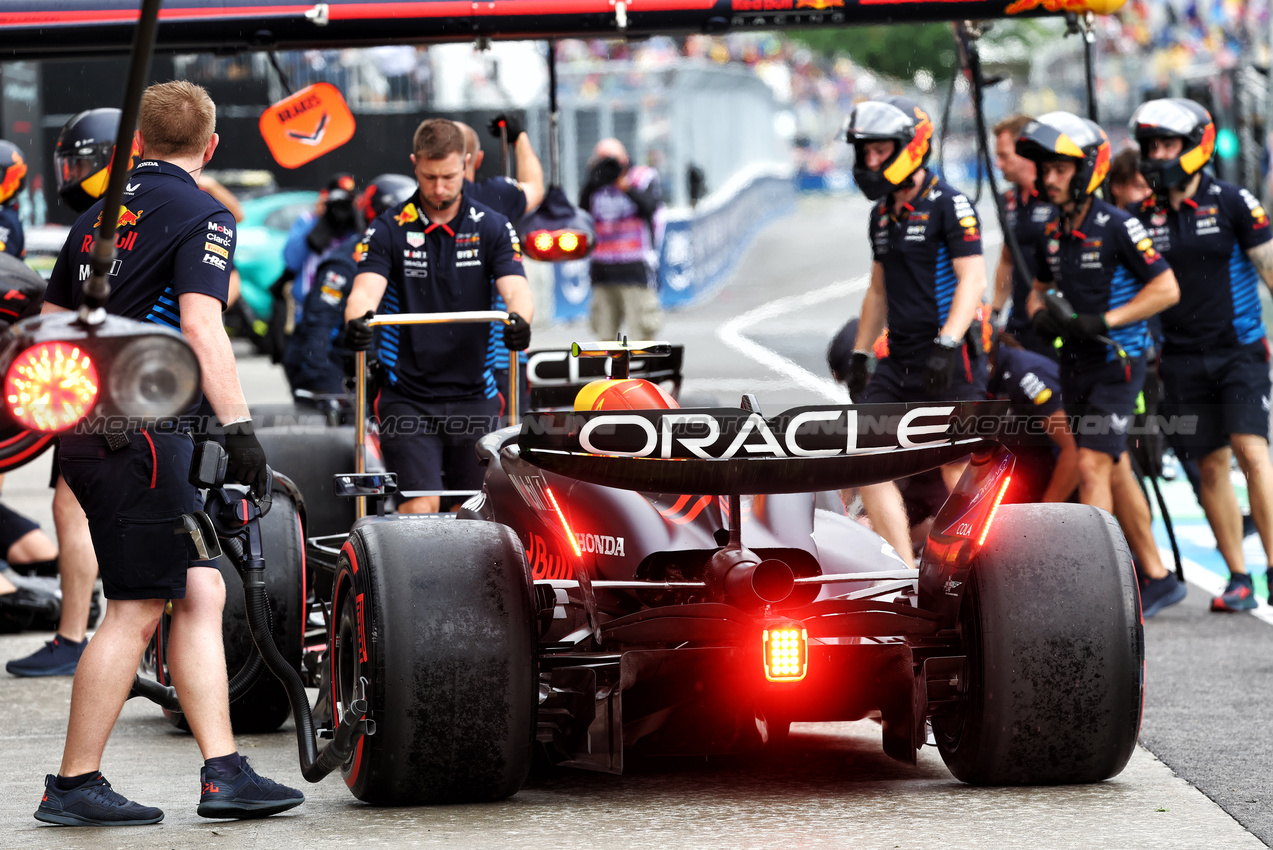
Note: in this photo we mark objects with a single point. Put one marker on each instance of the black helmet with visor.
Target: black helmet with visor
(385, 192)
(1173, 118)
(1059, 136)
(13, 171)
(896, 119)
(82, 156)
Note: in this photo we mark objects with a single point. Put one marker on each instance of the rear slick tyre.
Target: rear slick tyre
(1054, 678)
(436, 617)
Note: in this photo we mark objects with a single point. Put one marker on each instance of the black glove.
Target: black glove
(1047, 326)
(858, 376)
(516, 333)
(247, 458)
(358, 335)
(1088, 326)
(940, 366)
(511, 125)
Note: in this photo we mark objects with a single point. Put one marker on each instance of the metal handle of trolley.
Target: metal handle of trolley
(360, 372)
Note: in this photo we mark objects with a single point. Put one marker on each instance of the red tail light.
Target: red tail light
(574, 543)
(51, 386)
(553, 245)
(786, 652)
(985, 529)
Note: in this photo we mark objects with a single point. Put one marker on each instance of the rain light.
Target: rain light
(785, 652)
(51, 386)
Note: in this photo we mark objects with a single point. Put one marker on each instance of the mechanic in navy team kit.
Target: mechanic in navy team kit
(1045, 470)
(511, 199)
(13, 177)
(1103, 262)
(1215, 357)
(1027, 214)
(81, 162)
(438, 252)
(315, 363)
(927, 281)
(175, 248)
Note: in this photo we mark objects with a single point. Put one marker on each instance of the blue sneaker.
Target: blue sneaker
(1158, 593)
(1238, 596)
(245, 795)
(58, 657)
(94, 803)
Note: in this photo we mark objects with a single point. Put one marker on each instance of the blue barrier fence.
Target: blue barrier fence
(700, 246)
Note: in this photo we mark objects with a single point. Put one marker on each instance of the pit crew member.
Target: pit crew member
(1045, 471)
(927, 280)
(1215, 357)
(81, 161)
(1027, 214)
(314, 363)
(13, 177)
(437, 252)
(1102, 261)
(133, 484)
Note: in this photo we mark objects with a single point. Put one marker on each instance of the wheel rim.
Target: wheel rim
(348, 668)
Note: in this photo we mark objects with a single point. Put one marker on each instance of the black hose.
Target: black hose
(314, 764)
(165, 696)
(258, 624)
(1162, 509)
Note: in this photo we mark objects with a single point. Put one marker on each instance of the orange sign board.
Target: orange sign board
(306, 125)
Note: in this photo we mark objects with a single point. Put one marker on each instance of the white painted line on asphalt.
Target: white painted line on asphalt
(733, 334)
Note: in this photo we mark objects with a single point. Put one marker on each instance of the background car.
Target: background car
(258, 252)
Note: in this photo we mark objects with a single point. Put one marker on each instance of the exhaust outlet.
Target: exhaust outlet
(768, 582)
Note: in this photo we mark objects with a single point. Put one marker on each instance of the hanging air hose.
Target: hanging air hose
(965, 37)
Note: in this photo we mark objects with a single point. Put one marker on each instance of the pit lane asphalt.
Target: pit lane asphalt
(1207, 713)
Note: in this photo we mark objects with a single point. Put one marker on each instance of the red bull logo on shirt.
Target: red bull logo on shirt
(127, 218)
(408, 215)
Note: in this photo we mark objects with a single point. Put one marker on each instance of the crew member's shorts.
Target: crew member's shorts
(903, 380)
(13, 527)
(1226, 389)
(1100, 400)
(133, 498)
(431, 445)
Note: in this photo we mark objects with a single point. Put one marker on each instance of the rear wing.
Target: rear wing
(44, 28)
(730, 451)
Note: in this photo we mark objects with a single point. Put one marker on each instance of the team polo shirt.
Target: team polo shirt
(1029, 380)
(502, 194)
(916, 248)
(172, 238)
(505, 196)
(12, 240)
(434, 268)
(1027, 218)
(1206, 242)
(1101, 264)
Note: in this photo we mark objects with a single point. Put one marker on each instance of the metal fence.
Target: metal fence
(717, 118)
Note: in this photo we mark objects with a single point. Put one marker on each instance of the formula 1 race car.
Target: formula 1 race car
(637, 577)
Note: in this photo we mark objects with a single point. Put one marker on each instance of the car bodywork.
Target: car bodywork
(258, 253)
(655, 604)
